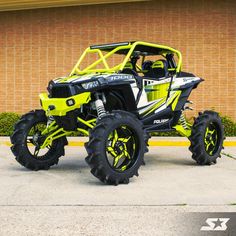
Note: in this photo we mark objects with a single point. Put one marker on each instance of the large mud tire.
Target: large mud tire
(207, 138)
(20, 148)
(98, 145)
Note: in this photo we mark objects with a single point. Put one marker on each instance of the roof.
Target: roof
(142, 47)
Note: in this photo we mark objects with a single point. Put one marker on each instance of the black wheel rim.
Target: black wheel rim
(211, 138)
(122, 148)
(34, 140)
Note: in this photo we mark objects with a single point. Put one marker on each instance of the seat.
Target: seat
(146, 67)
(128, 65)
(129, 69)
(159, 69)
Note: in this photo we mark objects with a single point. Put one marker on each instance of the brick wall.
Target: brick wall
(39, 45)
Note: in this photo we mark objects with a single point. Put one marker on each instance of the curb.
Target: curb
(153, 142)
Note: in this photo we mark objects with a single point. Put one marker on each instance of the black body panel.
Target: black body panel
(163, 120)
(96, 83)
(69, 121)
(185, 74)
(166, 119)
(124, 95)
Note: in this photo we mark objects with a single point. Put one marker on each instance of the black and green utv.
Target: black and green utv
(117, 94)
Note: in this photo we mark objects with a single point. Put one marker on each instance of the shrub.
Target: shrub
(229, 126)
(7, 121)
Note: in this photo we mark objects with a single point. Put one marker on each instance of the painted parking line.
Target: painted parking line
(181, 143)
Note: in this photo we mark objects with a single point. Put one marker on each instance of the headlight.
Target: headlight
(50, 85)
(70, 102)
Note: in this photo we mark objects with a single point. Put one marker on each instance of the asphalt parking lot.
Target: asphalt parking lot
(68, 200)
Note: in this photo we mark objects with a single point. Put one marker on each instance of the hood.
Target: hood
(79, 79)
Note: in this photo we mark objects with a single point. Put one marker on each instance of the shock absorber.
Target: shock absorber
(50, 120)
(183, 121)
(99, 107)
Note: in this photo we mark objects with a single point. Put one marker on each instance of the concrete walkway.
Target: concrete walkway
(68, 200)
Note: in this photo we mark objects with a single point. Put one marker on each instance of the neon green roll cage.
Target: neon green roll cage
(127, 48)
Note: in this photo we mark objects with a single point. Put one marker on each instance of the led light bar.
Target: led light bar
(111, 45)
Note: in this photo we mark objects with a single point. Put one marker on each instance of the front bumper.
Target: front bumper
(60, 106)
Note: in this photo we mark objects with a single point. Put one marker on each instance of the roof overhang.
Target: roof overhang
(33, 4)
